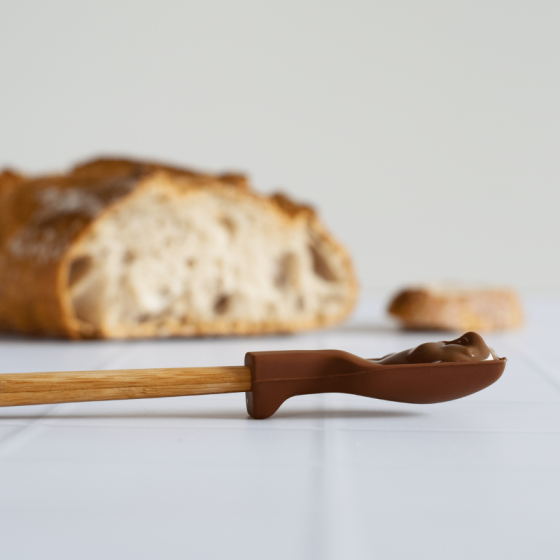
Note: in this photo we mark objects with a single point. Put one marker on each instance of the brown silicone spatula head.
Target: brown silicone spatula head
(434, 383)
(277, 376)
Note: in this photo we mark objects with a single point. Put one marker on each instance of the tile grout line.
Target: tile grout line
(541, 368)
(320, 429)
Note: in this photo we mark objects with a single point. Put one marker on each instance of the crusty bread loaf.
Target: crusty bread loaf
(120, 248)
(457, 308)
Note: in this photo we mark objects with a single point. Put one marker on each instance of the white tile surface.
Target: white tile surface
(328, 477)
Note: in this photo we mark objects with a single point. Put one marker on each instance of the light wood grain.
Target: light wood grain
(80, 386)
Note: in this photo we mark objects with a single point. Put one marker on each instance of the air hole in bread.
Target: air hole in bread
(287, 274)
(320, 265)
(128, 257)
(222, 304)
(86, 308)
(78, 269)
(190, 263)
(228, 224)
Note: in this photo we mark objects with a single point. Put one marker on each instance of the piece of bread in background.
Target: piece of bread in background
(457, 308)
(120, 248)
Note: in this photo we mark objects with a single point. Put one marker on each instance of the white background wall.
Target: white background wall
(426, 132)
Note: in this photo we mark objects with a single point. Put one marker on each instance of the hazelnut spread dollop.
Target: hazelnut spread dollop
(468, 348)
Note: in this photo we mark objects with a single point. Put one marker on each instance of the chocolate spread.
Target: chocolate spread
(468, 348)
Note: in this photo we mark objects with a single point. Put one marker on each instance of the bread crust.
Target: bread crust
(44, 220)
(458, 309)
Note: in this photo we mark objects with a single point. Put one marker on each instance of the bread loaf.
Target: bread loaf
(120, 248)
(457, 308)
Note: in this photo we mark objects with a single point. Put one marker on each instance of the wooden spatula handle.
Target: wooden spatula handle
(80, 386)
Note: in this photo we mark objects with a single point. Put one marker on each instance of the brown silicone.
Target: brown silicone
(277, 376)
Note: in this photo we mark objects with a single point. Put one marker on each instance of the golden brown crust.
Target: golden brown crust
(42, 221)
(290, 208)
(457, 309)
